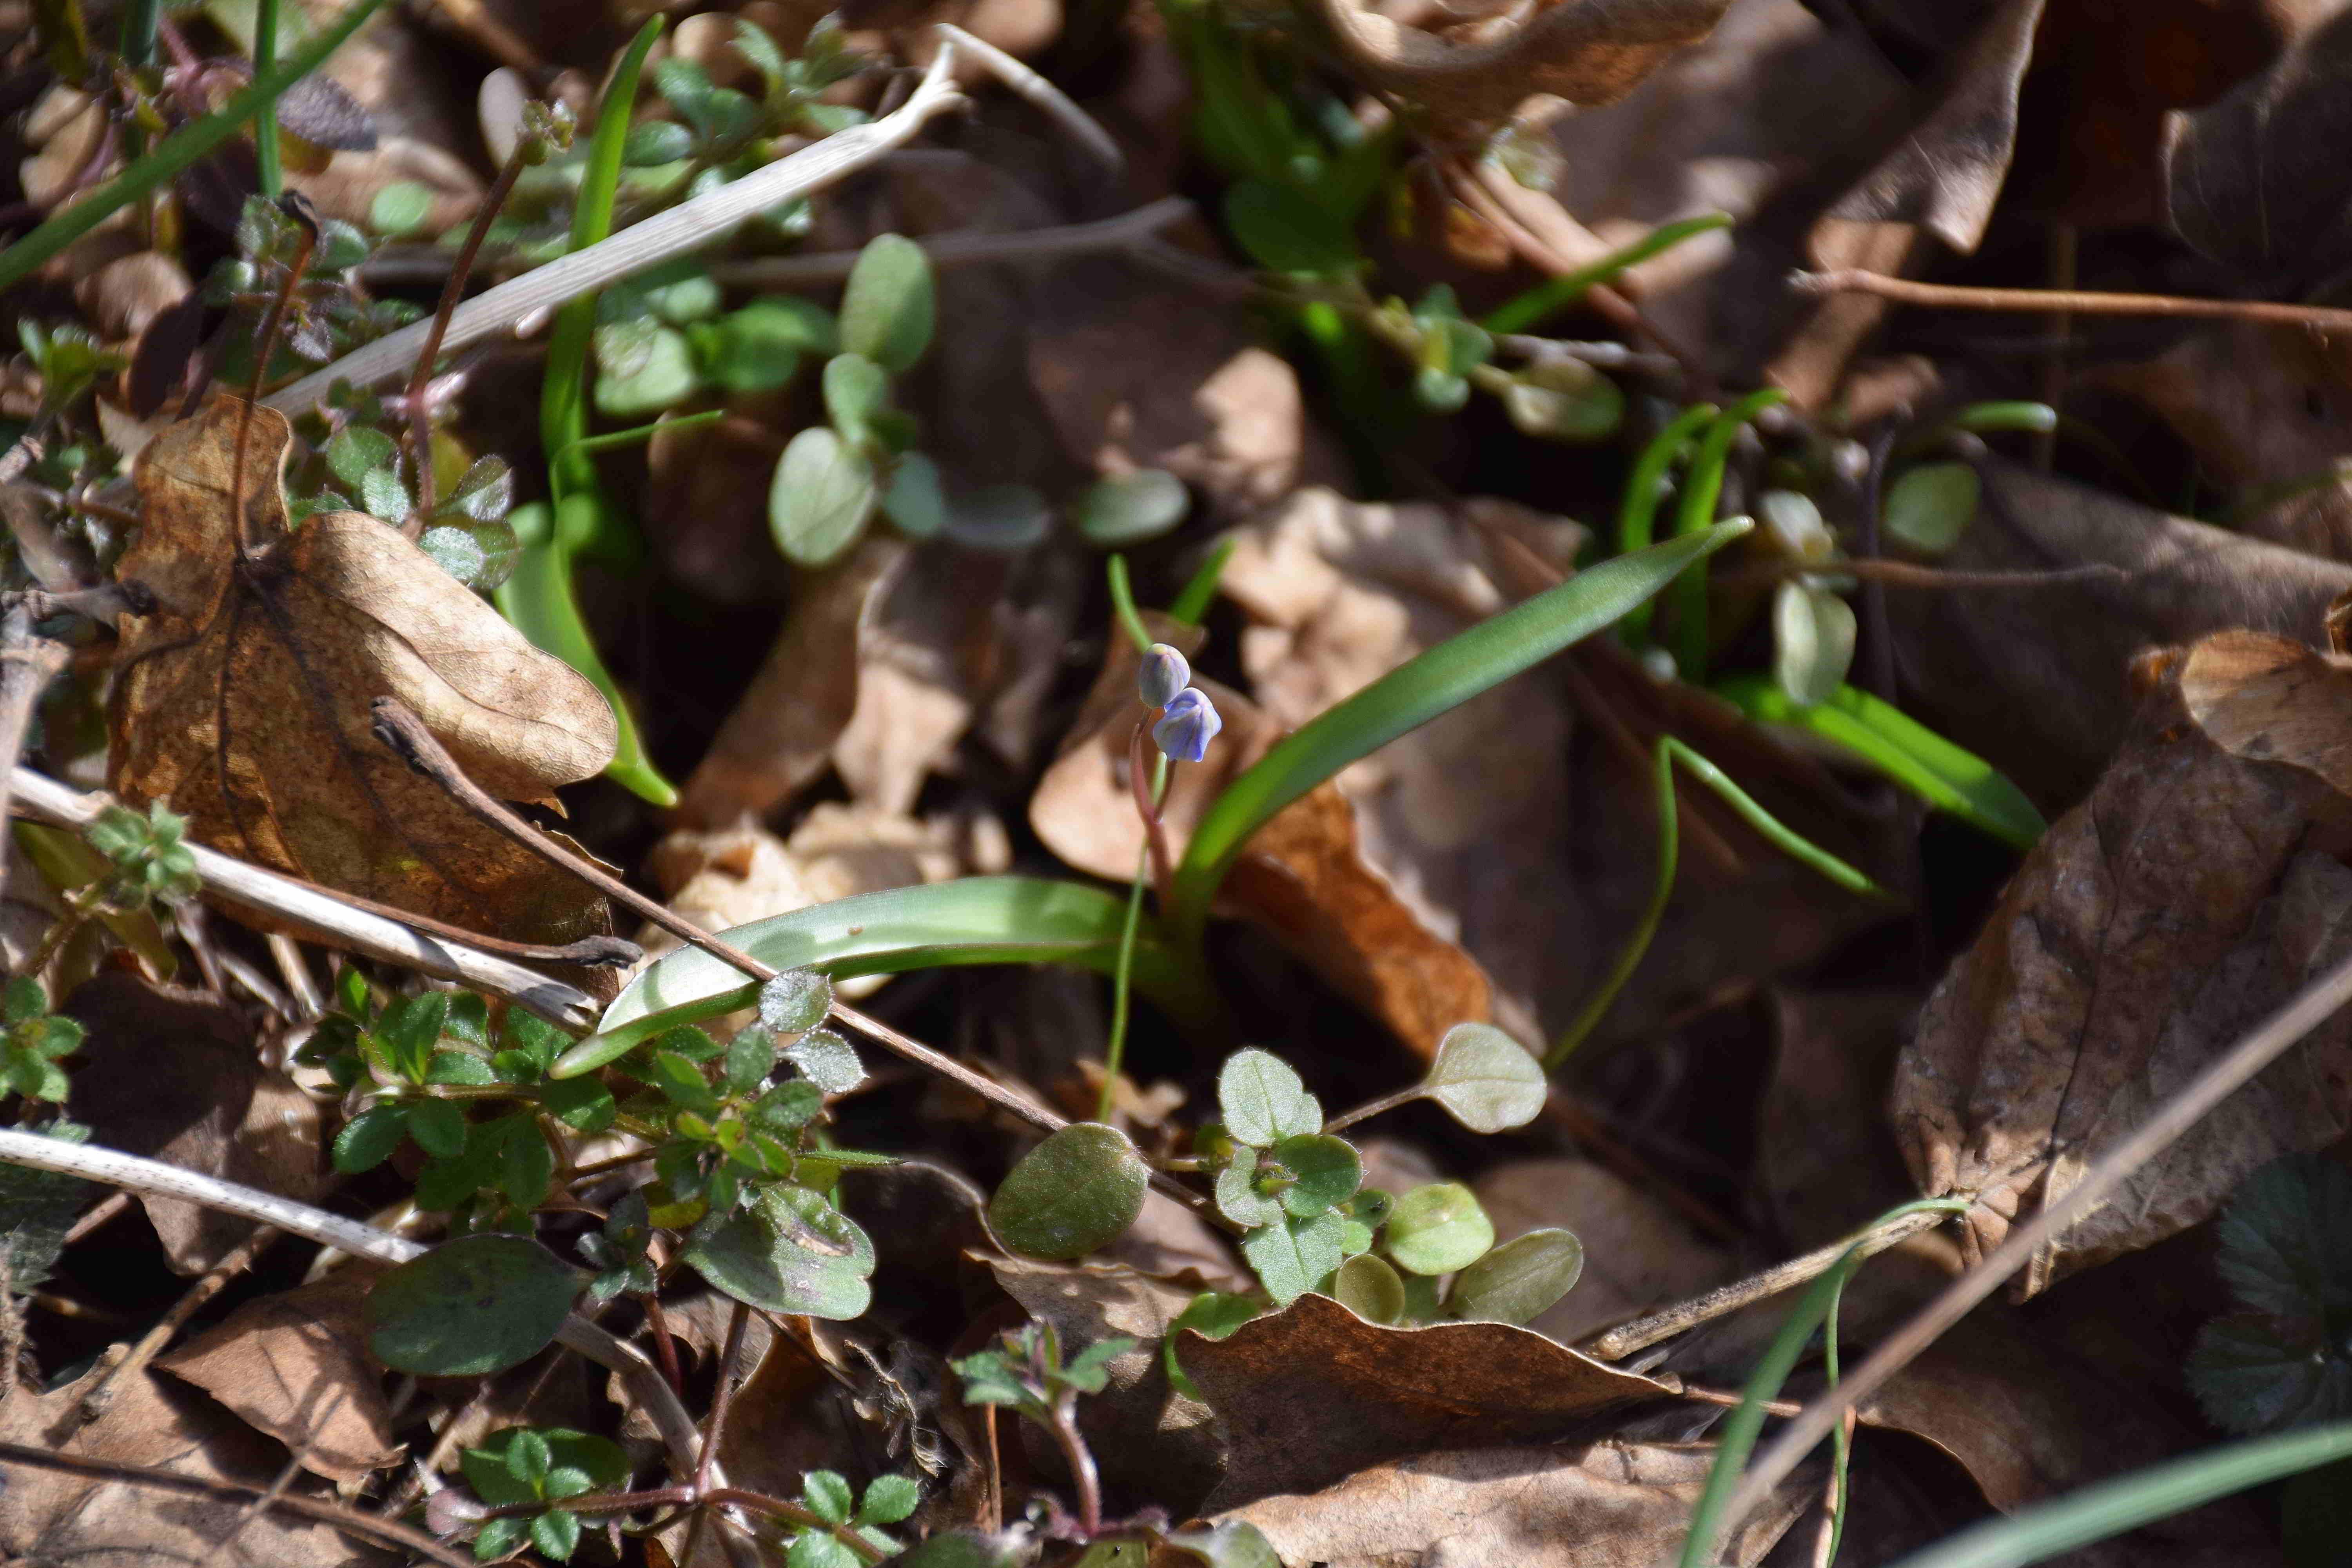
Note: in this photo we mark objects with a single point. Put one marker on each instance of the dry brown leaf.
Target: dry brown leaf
(296, 1366)
(1638, 1252)
(1144, 1433)
(176, 1075)
(2035, 682)
(1587, 51)
(2178, 906)
(1823, 1157)
(1302, 876)
(1605, 1505)
(1313, 1393)
(47, 1516)
(262, 660)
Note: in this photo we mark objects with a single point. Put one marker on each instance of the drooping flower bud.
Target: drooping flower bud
(1189, 723)
(1163, 675)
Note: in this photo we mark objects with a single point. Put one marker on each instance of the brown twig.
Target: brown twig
(1953, 297)
(150, 1344)
(420, 422)
(349, 1519)
(2310, 1007)
(1927, 579)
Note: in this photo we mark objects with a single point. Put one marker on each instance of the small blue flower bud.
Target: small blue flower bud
(1165, 674)
(1188, 726)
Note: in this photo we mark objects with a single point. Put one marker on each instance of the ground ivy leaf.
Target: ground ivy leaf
(1326, 1169)
(1293, 1258)
(1262, 1101)
(1076, 1191)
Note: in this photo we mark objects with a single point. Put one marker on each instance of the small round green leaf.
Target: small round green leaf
(1486, 1079)
(1263, 1101)
(1368, 1288)
(855, 388)
(1327, 1170)
(1132, 508)
(400, 208)
(1793, 526)
(1284, 231)
(823, 491)
(473, 1306)
(1518, 1280)
(1930, 506)
(1438, 1228)
(791, 1251)
(795, 1001)
(887, 310)
(759, 347)
(1564, 400)
(915, 501)
(641, 368)
(1813, 642)
(1238, 1198)
(1076, 1191)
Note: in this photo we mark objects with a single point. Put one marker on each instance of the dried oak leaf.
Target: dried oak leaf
(1302, 876)
(242, 699)
(2190, 896)
(1313, 1393)
(176, 1075)
(1602, 1505)
(48, 1516)
(296, 1366)
(1587, 51)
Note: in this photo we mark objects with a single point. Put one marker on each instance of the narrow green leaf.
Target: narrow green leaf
(1283, 231)
(975, 920)
(1076, 1191)
(1445, 676)
(1881, 736)
(2099, 1512)
(473, 1306)
(1548, 299)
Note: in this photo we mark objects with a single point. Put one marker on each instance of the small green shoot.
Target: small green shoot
(1548, 299)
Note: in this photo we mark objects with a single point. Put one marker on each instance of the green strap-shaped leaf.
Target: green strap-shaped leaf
(1882, 735)
(979, 919)
(1410, 696)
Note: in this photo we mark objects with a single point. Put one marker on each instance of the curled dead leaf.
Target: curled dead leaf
(2184, 900)
(242, 699)
(1313, 1393)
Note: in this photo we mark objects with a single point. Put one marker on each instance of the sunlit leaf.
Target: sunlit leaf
(887, 312)
(1437, 1230)
(823, 491)
(1078, 1190)
(791, 1251)
(1262, 1101)
(477, 1305)
(1486, 1079)
(1516, 1281)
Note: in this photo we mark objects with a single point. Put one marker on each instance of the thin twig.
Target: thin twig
(156, 1178)
(1664, 1324)
(28, 664)
(1041, 95)
(1927, 579)
(329, 917)
(150, 1344)
(1953, 297)
(365, 1525)
(1155, 831)
(2310, 1007)
(684, 227)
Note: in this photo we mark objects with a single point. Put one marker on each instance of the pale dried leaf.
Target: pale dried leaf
(267, 668)
(2175, 908)
(1605, 1505)
(296, 1366)
(1313, 1393)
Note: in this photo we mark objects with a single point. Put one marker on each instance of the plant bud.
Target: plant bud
(1189, 723)
(1163, 675)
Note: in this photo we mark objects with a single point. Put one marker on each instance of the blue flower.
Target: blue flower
(1189, 723)
(1163, 675)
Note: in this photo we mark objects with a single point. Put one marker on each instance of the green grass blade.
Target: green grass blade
(1412, 695)
(2126, 1502)
(265, 128)
(538, 599)
(1546, 300)
(1882, 735)
(1122, 604)
(1192, 605)
(1637, 513)
(1701, 490)
(976, 919)
(1738, 1439)
(179, 150)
